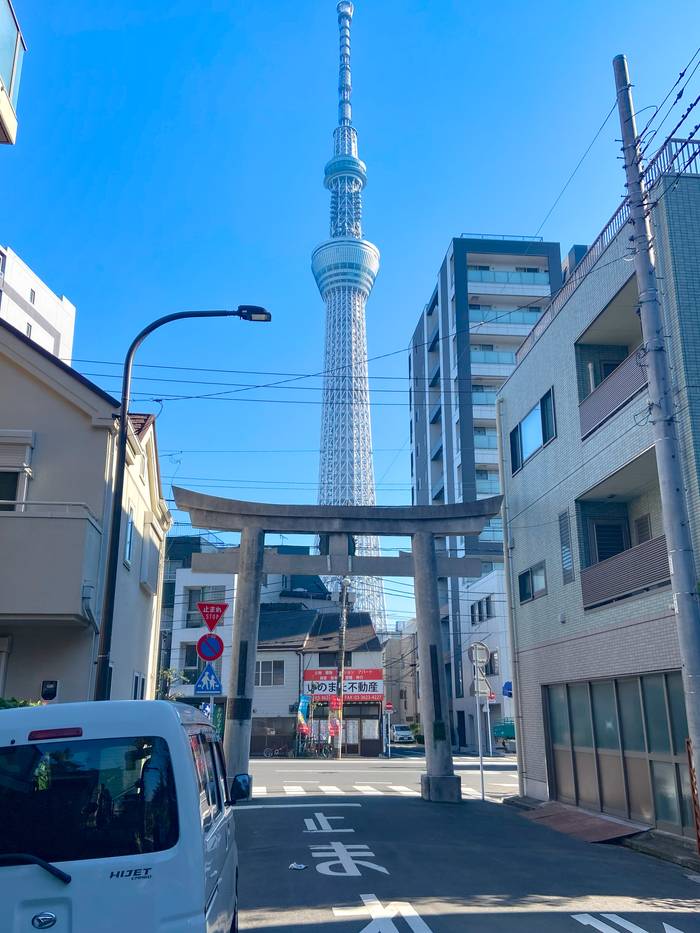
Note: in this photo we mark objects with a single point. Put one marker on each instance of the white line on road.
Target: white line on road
(291, 806)
(259, 791)
(404, 791)
(294, 789)
(330, 789)
(368, 789)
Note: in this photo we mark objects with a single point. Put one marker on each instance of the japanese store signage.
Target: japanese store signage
(361, 684)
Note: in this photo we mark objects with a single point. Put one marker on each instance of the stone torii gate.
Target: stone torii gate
(340, 523)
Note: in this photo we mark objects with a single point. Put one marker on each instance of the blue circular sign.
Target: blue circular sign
(210, 647)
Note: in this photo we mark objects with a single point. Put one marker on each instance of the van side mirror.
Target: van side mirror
(241, 787)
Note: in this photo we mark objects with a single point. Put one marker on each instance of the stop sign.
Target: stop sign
(389, 707)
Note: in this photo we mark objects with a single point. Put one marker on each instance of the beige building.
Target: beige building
(57, 453)
(400, 655)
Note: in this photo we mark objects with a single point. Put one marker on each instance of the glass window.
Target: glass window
(525, 586)
(8, 489)
(129, 536)
(490, 608)
(202, 774)
(88, 798)
(539, 581)
(531, 432)
(213, 788)
(630, 715)
(604, 715)
(676, 703)
(663, 774)
(655, 713)
(559, 715)
(269, 673)
(516, 458)
(547, 413)
(473, 613)
(580, 715)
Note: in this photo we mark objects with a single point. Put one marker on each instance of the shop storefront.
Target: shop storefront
(363, 694)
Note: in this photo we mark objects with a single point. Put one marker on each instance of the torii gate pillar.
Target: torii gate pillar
(439, 783)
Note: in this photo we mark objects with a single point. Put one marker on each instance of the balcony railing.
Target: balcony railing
(486, 441)
(484, 398)
(434, 337)
(434, 376)
(438, 488)
(612, 393)
(507, 277)
(436, 451)
(503, 316)
(501, 357)
(629, 572)
(12, 50)
(488, 487)
(51, 564)
(435, 412)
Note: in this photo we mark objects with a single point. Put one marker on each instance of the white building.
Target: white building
(33, 309)
(485, 620)
(57, 455)
(490, 292)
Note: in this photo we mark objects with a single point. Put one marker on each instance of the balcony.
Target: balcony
(437, 490)
(436, 452)
(488, 487)
(52, 564)
(434, 376)
(610, 395)
(500, 357)
(500, 316)
(632, 571)
(435, 412)
(433, 338)
(12, 49)
(507, 277)
(486, 441)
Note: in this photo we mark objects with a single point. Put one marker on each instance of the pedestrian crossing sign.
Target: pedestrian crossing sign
(208, 684)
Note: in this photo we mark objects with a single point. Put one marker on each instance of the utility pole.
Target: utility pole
(342, 631)
(668, 454)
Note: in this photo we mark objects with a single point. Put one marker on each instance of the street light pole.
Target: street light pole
(102, 676)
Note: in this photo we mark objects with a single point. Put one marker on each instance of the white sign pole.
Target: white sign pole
(389, 733)
(477, 665)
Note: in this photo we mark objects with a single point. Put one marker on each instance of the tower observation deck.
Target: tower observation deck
(345, 267)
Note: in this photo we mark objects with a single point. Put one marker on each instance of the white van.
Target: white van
(115, 818)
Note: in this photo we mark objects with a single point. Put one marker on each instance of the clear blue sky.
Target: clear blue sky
(171, 152)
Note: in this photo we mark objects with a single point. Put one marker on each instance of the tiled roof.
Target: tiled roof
(140, 423)
(311, 630)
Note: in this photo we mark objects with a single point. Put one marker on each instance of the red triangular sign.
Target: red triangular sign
(212, 613)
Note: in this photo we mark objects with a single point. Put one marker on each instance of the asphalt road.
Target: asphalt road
(433, 868)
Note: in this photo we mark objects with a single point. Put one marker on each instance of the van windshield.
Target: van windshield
(87, 799)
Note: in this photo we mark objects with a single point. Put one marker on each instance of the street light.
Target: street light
(102, 678)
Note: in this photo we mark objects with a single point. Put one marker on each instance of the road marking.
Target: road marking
(259, 791)
(330, 789)
(290, 806)
(368, 789)
(382, 917)
(294, 789)
(404, 791)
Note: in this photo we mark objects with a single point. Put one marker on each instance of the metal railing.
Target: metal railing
(675, 154)
(612, 393)
(631, 571)
(501, 357)
(507, 277)
(501, 236)
(46, 509)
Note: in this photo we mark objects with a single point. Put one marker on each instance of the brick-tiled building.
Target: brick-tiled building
(597, 664)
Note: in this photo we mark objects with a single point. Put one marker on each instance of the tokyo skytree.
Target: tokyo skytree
(345, 267)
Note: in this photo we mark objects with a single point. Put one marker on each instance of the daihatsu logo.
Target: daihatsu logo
(43, 921)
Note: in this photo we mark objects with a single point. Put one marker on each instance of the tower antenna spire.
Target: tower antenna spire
(345, 12)
(345, 267)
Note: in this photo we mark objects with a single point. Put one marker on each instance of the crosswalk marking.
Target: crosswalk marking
(368, 789)
(259, 791)
(330, 789)
(404, 791)
(294, 789)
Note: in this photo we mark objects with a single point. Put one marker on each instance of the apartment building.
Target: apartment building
(490, 292)
(12, 49)
(401, 679)
(57, 456)
(32, 308)
(601, 719)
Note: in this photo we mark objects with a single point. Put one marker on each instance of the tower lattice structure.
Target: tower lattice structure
(345, 267)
